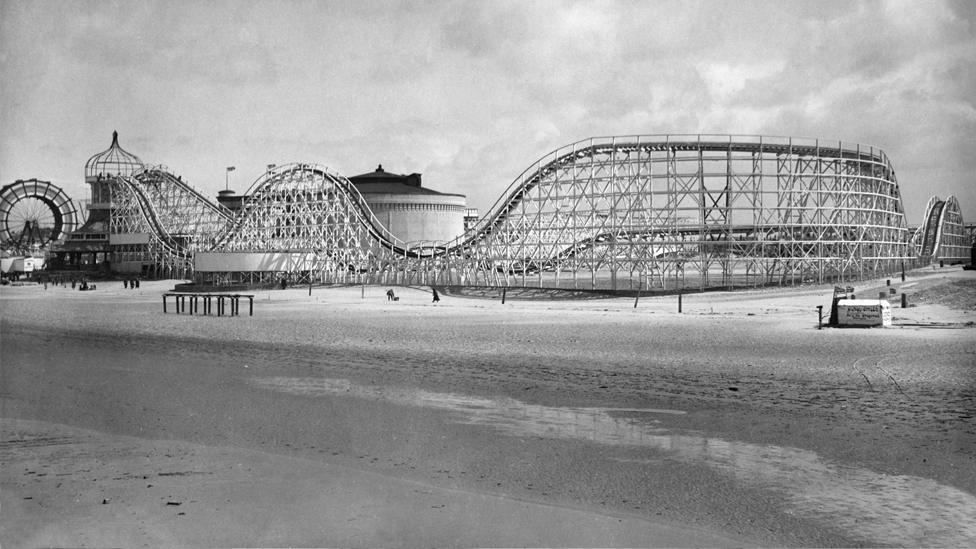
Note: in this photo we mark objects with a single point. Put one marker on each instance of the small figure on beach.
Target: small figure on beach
(136, 281)
(125, 283)
(436, 297)
(389, 294)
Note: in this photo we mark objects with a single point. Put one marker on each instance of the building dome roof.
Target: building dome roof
(113, 161)
(384, 182)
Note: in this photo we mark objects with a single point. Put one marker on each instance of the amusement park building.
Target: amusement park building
(90, 245)
(412, 213)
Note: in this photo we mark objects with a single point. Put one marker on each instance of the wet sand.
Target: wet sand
(344, 419)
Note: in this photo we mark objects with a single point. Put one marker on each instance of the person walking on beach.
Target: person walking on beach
(389, 294)
(125, 283)
(436, 297)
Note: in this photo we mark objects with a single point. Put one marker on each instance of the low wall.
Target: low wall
(863, 312)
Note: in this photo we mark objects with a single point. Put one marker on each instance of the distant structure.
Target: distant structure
(470, 218)
(943, 236)
(412, 213)
(33, 215)
(88, 247)
(230, 200)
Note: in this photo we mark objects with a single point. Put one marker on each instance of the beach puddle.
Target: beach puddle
(884, 509)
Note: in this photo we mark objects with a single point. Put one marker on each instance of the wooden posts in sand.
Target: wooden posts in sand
(223, 301)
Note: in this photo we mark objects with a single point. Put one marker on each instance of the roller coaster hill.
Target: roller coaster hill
(645, 213)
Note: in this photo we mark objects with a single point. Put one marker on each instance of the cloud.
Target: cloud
(724, 80)
(471, 93)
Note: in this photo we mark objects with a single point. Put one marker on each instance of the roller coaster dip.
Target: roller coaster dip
(626, 213)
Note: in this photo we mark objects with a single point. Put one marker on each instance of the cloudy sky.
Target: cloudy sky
(471, 93)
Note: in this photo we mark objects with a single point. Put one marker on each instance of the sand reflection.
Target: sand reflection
(884, 509)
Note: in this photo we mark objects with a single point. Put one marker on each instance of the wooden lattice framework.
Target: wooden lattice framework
(160, 221)
(641, 212)
(943, 235)
(692, 211)
(316, 222)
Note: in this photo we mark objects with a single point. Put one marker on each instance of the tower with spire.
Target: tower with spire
(87, 248)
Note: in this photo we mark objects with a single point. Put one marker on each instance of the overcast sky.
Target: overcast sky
(471, 93)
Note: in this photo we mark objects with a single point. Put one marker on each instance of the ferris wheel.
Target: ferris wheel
(35, 213)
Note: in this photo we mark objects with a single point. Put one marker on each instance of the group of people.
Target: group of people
(61, 280)
(390, 296)
(83, 285)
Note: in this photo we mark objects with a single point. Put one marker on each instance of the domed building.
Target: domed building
(413, 213)
(88, 246)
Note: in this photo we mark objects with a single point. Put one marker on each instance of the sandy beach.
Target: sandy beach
(343, 419)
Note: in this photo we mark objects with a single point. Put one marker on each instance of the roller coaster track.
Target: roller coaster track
(179, 221)
(803, 222)
(170, 243)
(309, 209)
(766, 207)
(932, 227)
(587, 149)
(264, 190)
(176, 219)
(735, 241)
(943, 234)
(158, 178)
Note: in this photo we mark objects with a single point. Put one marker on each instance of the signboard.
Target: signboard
(117, 239)
(863, 312)
(253, 261)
